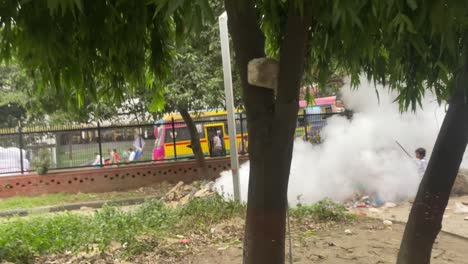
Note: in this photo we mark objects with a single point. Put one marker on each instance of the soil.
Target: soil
(453, 222)
(366, 241)
(369, 242)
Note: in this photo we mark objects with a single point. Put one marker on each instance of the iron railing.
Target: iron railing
(95, 146)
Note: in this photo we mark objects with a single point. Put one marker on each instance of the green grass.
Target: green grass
(324, 210)
(23, 202)
(22, 239)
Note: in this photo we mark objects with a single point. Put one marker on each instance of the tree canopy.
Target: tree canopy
(104, 49)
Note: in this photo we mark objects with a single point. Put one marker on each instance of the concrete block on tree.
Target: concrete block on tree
(263, 72)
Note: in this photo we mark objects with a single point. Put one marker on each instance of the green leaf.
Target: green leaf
(412, 4)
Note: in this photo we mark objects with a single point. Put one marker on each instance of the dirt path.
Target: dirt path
(453, 222)
(370, 242)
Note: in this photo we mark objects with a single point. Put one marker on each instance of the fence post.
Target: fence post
(100, 143)
(242, 133)
(174, 138)
(305, 126)
(20, 135)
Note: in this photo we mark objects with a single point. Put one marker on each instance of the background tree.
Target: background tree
(193, 86)
(14, 99)
(196, 83)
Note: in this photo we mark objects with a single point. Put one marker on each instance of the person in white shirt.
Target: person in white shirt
(131, 156)
(97, 160)
(217, 145)
(421, 161)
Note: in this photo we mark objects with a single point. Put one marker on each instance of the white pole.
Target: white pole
(223, 30)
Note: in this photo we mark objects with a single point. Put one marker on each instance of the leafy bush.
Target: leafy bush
(203, 212)
(42, 161)
(324, 210)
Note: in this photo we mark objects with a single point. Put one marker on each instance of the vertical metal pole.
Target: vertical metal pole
(20, 135)
(223, 30)
(174, 138)
(305, 126)
(242, 133)
(100, 143)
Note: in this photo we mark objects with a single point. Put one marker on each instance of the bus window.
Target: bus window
(201, 132)
(181, 133)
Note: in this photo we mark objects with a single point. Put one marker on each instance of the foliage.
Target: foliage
(14, 100)
(24, 238)
(206, 212)
(116, 48)
(324, 210)
(196, 81)
(411, 46)
(42, 161)
(194, 85)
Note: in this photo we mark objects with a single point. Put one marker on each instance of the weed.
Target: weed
(204, 212)
(324, 210)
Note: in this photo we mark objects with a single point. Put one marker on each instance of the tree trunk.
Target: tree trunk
(425, 220)
(195, 142)
(271, 125)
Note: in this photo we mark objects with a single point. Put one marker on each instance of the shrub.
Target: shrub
(324, 210)
(42, 161)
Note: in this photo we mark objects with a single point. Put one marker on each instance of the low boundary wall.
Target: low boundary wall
(106, 179)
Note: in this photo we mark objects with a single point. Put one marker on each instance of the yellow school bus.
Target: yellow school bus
(173, 137)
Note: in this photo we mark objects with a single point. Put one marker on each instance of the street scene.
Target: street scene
(234, 131)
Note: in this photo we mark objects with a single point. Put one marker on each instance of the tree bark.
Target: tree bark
(195, 142)
(271, 125)
(425, 219)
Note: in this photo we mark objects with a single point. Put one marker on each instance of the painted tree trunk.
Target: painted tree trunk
(195, 141)
(271, 125)
(425, 220)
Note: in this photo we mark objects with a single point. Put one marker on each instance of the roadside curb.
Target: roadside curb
(76, 206)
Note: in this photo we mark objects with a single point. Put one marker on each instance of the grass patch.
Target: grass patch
(24, 202)
(324, 210)
(22, 239)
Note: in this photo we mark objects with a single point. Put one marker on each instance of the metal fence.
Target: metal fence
(98, 146)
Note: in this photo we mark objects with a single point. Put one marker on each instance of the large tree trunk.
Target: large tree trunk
(425, 220)
(271, 125)
(195, 141)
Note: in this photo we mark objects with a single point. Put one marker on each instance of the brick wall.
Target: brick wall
(118, 178)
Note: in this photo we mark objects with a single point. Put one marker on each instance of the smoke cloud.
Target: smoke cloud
(361, 152)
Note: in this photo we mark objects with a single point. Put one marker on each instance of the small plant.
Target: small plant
(42, 162)
(324, 210)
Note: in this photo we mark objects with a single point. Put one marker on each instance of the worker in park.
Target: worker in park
(421, 161)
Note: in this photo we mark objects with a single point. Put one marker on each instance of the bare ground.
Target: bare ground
(370, 241)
